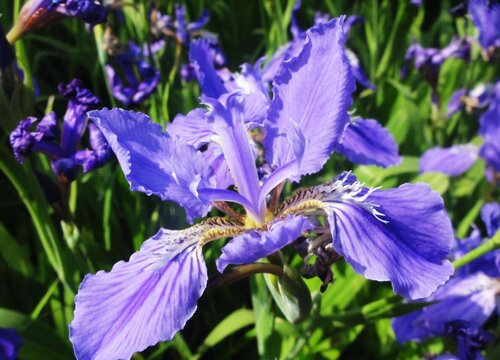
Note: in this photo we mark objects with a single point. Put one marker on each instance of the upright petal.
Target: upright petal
(155, 163)
(311, 101)
(193, 128)
(369, 143)
(142, 301)
(258, 243)
(200, 56)
(452, 161)
(401, 235)
(486, 17)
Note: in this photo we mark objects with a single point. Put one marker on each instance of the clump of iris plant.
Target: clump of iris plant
(61, 143)
(401, 235)
(457, 159)
(36, 14)
(469, 297)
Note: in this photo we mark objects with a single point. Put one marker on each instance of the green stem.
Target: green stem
(23, 179)
(490, 245)
(243, 271)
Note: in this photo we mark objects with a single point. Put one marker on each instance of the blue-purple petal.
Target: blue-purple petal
(155, 163)
(139, 302)
(258, 243)
(402, 235)
(486, 17)
(452, 161)
(367, 142)
(313, 102)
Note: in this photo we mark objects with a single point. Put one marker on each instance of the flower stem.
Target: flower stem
(243, 271)
(492, 244)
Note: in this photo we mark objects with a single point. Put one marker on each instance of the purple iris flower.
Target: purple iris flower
(428, 61)
(131, 77)
(10, 344)
(61, 145)
(486, 17)
(36, 14)
(469, 296)
(401, 235)
(477, 98)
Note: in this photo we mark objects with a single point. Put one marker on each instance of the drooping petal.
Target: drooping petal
(368, 142)
(401, 235)
(203, 63)
(470, 299)
(258, 243)
(142, 301)
(311, 101)
(452, 161)
(155, 163)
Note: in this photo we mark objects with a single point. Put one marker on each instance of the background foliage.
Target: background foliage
(42, 260)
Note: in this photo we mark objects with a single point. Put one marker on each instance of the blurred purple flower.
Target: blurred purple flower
(477, 98)
(486, 17)
(10, 344)
(401, 235)
(470, 339)
(36, 14)
(428, 61)
(65, 156)
(131, 77)
(452, 161)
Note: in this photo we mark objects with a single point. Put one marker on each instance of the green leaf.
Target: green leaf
(268, 341)
(291, 294)
(235, 321)
(40, 342)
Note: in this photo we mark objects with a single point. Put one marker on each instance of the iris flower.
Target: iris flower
(36, 14)
(401, 235)
(477, 98)
(131, 77)
(61, 146)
